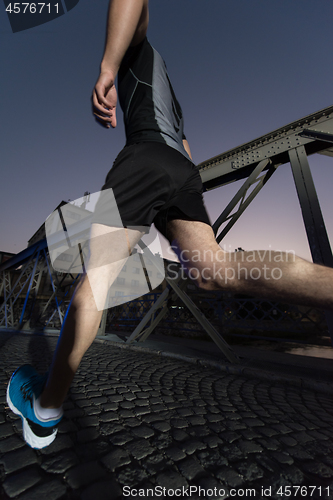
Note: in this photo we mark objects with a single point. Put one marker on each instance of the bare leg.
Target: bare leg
(274, 275)
(108, 249)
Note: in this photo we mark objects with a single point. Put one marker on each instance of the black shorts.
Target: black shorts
(154, 183)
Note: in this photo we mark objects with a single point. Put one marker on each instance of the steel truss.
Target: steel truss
(230, 314)
(26, 285)
(20, 286)
(272, 150)
(255, 162)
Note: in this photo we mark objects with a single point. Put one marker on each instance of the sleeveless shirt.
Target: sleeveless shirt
(151, 110)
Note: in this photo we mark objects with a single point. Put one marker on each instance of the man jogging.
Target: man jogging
(153, 180)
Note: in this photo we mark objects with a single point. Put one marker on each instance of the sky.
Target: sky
(240, 69)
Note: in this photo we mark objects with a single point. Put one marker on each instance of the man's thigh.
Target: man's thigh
(110, 248)
(109, 245)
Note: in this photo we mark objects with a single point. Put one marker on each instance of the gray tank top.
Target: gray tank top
(151, 110)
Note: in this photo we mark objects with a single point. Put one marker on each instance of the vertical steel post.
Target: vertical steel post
(33, 272)
(313, 219)
(39, 271)
(102, 325)
(54, 290)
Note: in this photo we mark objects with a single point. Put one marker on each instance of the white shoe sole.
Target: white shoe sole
(30, 438)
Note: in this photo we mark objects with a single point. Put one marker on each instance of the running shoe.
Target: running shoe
(24, 388)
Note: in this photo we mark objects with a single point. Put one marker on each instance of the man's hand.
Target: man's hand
(127, 24)
(105, 100)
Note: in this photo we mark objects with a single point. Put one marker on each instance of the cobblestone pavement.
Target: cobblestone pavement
(137, 421)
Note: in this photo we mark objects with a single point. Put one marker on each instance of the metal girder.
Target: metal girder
(240, 198)
(58, 296)
(34, 293)
(11, 295)
(161, 302)
(6, 310)
(314, 134)
(32, 286)
(24, 256)
(312, 216)
(238, 163)
(313, 220)
(102, 325)
(164, 310)
(200, 317)
(54, 295)
(28, 282)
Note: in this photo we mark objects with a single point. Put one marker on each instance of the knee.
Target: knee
(217, 276)
(215, 271)
(204, 277)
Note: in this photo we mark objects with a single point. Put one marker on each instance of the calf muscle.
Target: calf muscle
(266, 273)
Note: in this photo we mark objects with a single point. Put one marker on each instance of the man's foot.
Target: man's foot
(24, 388)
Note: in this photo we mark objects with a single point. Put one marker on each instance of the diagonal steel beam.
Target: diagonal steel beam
(199, 316)
(314, 134)
(160, 303)
(241, 199)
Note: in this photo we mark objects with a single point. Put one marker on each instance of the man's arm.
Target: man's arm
(127, 25)
(187, 148)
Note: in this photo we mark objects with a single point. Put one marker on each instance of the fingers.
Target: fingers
(107, 121)
(99, 101)
(104, 99)
(103, 110)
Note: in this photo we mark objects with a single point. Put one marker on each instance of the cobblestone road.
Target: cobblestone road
(135, 421)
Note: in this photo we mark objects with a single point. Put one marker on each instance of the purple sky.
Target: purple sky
(240, 69)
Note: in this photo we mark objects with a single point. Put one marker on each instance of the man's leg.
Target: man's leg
(108, 249)
(38, 401)
(275, 275)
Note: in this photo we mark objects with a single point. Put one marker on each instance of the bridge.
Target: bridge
(255, 162)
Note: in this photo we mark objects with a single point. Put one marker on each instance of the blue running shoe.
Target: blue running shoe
(25, 386)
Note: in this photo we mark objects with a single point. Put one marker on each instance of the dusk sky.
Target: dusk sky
(240, 69)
